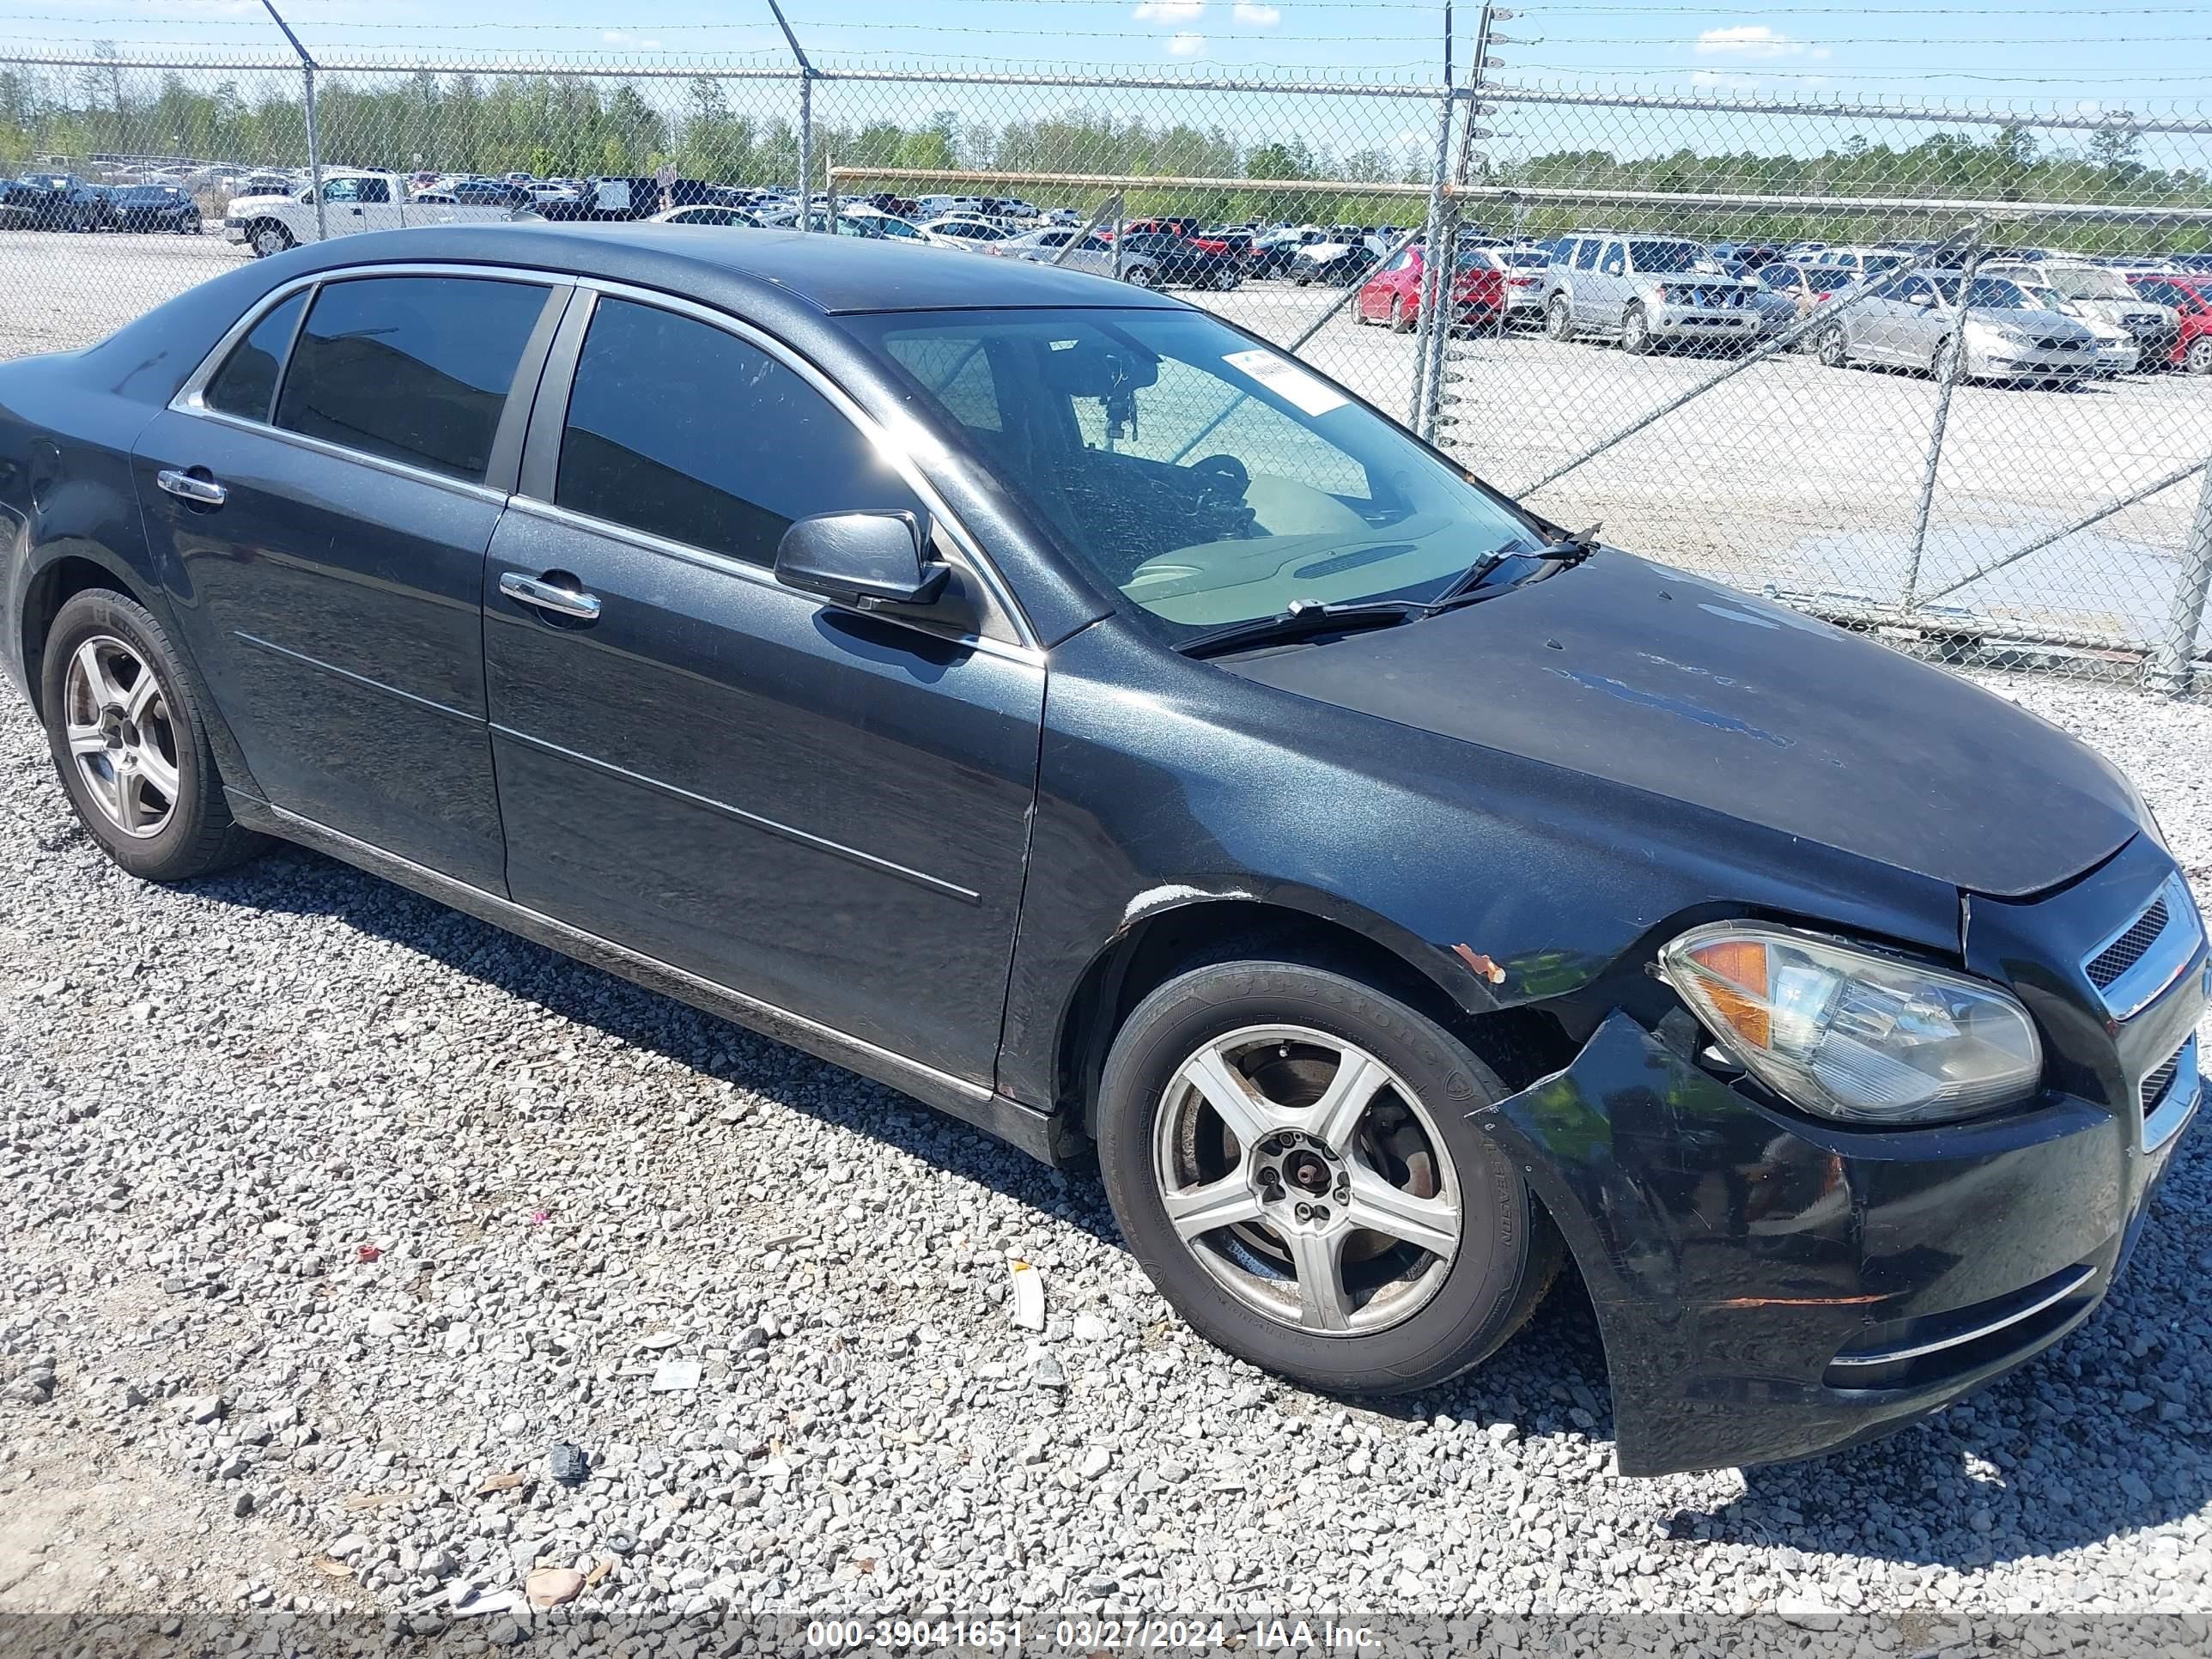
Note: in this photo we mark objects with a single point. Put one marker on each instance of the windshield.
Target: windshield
(1205, 478)
(1666, 256)
(2041, 298)
(1993, 293)
(2086, 282)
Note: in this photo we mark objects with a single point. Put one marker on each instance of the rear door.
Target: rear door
(343, 470)
(825, 811)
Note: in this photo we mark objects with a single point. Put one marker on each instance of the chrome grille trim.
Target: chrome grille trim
(2141, 980)
(2175, 1100)
(2072, 1282)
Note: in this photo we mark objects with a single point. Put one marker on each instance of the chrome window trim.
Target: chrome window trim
(2154, 973)
(878, 437)
(2074, 1281)
(2163, 1119)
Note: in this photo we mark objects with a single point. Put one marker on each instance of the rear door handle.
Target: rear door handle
(561, 600)
(206, 491)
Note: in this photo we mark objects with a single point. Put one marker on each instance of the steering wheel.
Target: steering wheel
(1227, 478)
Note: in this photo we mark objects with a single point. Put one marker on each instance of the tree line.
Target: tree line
(571, 127)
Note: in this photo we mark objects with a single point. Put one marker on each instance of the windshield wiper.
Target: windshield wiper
(1570, 549)
(1305, 619)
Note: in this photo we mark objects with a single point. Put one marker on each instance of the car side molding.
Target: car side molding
(1042, 1135)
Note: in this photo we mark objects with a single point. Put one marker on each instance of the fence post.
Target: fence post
(2170, 670)
(1953, 365)
(314, 141)
(1419, 415)
(806, 78)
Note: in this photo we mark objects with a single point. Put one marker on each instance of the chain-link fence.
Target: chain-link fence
(1944, 373)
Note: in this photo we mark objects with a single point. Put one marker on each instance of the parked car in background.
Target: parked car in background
(705, 214)
(1392, 293)
(1094, 254)
(2190, 298)
(1156, 259)
(1274, 251)
(1863, 262)
(1524, 269)
(970, 233)
(2095, 296)
(862, 648)
(155, 208)
(57, 201)
(1999, 334)
(1646, 291)
(1344, 258)
(1803, 286)
(861, 221)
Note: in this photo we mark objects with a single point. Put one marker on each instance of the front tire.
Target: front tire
(130, 745)
(1559, 320)
(1635, 332)
(268, 239)
(1832, 350)
(1291, 1156)
(1402, 320)
(2199, 360)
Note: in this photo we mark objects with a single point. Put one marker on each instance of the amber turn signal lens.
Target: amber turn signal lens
(1740, 996)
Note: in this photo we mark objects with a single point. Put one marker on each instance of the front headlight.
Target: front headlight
(1852, 1035)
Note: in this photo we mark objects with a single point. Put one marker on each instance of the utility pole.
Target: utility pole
(1424, 302)
(314, 144)
(807, 75)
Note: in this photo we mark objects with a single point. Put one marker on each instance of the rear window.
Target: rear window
(412, 368)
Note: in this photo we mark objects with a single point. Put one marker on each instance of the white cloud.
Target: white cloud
(1260, 16)
(1755, 40)
(616, 38)
(1171, 11)
(1184, 44)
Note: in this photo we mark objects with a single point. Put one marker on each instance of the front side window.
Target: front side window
(1614, 264)
(681, 429)
(1203, 477)
(246, 385)
(412, 368)
(1586, 255)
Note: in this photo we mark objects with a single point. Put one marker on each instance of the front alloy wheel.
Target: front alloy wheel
(1831, 348)
(2199, 360)
(1307, 1179)
(1558, 320)
(1305, 1167)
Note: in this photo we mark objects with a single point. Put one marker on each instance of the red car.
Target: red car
(2191, 295)
(1393, 294)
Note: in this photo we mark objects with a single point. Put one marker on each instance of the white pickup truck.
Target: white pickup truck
(351, 201)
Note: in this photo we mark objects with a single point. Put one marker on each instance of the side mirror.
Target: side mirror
(861, 561)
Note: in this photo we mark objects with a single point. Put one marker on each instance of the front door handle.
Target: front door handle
(205, 491)
(561, 601)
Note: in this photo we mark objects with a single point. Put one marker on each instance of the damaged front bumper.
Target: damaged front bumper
(1771, 1287)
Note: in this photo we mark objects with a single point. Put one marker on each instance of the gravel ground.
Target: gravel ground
(327, 1212)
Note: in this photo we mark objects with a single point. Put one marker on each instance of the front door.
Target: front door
(321, 508)
(360, 204)
(825, 811)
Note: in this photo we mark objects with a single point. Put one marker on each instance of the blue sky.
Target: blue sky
(2150, 51)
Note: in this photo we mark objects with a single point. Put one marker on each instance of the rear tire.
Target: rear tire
(131, 744)
(1288, 1276)
(2199, 360)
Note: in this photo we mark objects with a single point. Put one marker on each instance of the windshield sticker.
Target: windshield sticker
(1288, 381)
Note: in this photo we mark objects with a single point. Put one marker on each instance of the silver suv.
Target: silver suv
(1643, 290)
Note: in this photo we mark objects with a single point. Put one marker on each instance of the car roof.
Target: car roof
(758, 271)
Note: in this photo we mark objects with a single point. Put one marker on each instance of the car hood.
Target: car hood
(1626, 671)
(266, 199)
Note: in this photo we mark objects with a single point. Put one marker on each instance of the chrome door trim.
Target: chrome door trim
(339, 451)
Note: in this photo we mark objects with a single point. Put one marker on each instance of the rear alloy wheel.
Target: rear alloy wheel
(1558, 319)
(269, 239)
(1635, 331)
(2199, 360)
(1830, 348)
(128, 744)
(1291, 1155)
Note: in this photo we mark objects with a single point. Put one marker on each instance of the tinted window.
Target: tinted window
(1585, 255)
(413, 369)
(683, 431)
(246, 385)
